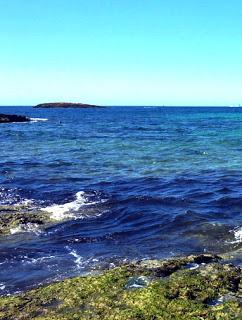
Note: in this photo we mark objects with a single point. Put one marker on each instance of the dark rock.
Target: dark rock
(6, 118)
(165, 268)
(66, 105)
(206, 258)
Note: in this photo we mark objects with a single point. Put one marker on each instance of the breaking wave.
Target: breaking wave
(38, 119)
(70, 209)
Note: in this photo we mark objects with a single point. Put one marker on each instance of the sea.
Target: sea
(122, 184)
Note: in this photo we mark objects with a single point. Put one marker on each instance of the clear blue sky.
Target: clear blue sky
(121, 52)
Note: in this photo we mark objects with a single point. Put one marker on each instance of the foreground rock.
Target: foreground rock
(16, 219)
(6, 118)
(66, 105)
(148, 290)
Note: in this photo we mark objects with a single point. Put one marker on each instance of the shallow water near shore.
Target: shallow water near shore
(120, 184)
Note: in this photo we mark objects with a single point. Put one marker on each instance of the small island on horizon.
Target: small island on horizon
(66, 105)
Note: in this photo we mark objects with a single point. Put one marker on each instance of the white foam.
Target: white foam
(38, 119)
(69, 209)
(39, 260)
(79, 259)
(237, 235)
(28, 227)
(2, 286)
(26, 202)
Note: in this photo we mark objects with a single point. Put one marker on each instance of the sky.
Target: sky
(121, 52)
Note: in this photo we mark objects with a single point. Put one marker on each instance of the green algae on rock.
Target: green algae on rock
(181, 294)
(14, 219)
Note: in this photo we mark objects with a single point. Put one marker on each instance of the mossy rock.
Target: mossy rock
(20, 218)
(182, 294)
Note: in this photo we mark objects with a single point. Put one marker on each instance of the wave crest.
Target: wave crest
(69, 209)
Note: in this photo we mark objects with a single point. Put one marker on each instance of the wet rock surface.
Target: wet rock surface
(137, 291)
(16, 219)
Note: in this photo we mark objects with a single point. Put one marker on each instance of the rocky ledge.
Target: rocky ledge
(189, 288)
(6, 118)
(66, 105)
(17, 219)
(24, 218)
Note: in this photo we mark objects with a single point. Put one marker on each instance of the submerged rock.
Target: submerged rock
(16, 219)
(137, 282)
(6, 118)
(184, 294)
(21, 222)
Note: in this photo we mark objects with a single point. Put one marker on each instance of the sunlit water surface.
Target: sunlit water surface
(134, 182)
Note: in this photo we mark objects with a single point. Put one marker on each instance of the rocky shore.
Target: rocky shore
(6, 118)
(193, 287)
(66, 105)
(187, 288)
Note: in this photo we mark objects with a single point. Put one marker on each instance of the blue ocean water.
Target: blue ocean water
(133, 183)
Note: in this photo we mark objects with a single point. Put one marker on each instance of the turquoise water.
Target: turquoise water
(136, 182)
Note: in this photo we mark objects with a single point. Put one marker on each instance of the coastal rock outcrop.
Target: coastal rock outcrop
(17, 219)
(66, 105)
(137, 291)
(6, 118)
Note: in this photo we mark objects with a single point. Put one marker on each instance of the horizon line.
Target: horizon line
(149, 106)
